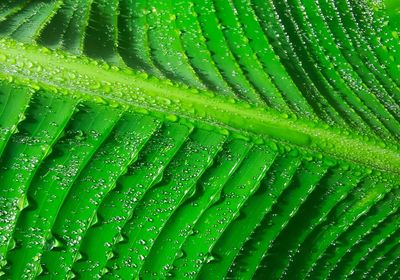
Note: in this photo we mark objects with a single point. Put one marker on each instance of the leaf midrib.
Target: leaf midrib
(88, 79)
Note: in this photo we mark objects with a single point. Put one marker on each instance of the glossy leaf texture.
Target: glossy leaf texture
(204, 139)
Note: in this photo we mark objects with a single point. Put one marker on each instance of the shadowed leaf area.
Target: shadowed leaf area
(202, 139)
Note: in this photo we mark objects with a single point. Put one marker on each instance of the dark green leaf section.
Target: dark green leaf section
(205, 139)
(44, 124)
(315, 59)
(13, 102)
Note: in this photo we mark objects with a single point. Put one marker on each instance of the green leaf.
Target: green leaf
(206, 139)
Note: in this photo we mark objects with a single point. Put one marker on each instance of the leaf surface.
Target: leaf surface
(205, 139)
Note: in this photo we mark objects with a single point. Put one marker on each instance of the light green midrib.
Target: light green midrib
(85, 78)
